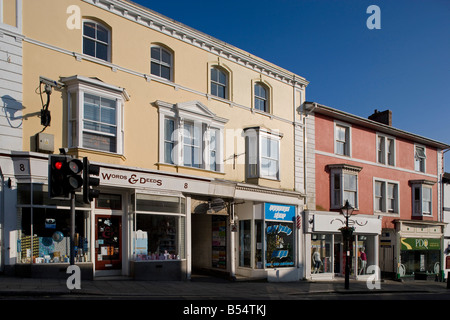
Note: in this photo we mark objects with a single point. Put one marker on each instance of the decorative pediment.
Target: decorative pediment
(192, 110)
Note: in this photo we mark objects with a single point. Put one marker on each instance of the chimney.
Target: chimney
(384, 117)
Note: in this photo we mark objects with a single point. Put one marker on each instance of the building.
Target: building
(446, 220)
(393, 180)
(199, 143)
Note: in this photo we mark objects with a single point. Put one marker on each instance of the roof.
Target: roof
(374, 125)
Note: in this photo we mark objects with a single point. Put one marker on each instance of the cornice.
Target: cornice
(157, 22)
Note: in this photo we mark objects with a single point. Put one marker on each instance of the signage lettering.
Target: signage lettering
(133, 179)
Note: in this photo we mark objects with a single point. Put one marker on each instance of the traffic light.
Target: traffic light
(64, 176)
(88, 181)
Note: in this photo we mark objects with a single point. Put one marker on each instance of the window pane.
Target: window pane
(155, 69)
(221, 92)
(91, 107)
(89, 47)
(165, 72)
(102, 34)
(99, 142)
(89, 29)
(214, 90)
(169, 126)
(102, 51)
(156, 53)
(214, 75)
(222, 77)
(340, 147)
(350, 182)
(166, 57)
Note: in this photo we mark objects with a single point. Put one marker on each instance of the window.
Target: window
(219, 83)
(261, 97)
(419, 158)
(386, 196)
(386, 150)
(422, 194)
(262, 154)
(342, 139)
(96, 40)
(95, 114)
(191, 136)
(344, 185)
(159, 227)
(161, 62)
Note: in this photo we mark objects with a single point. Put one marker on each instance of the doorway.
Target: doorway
(108, 243)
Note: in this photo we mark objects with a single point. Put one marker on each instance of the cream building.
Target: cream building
(194, 138)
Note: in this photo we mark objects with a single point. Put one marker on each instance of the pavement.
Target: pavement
(205, 288)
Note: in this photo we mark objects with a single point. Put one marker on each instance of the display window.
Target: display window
(321, 253)
(420, 255)
(44, 227)
(279, 244)
(159, 227)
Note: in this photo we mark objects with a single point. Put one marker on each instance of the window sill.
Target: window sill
(77, 152)
(185, 169)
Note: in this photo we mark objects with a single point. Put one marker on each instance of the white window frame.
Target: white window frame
(253, 170)
(348, 138)
(95, 39)
(385, 197)
(384, 156)
(162, 63)
(77, 88)
(423, 159)
(418, 204)
(340, 170)
(203, 120)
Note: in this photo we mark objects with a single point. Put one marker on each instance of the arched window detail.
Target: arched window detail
(96, 40)
(161, 62)
(219, 82)
(261, 97)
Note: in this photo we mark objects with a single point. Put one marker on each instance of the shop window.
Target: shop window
(262, 153)
(245, 241)
(279, 244)
(96, 40)
(420, 256)
(95, 114)
(321, 261)
(159, 227)
(191, 136)
(44, 229)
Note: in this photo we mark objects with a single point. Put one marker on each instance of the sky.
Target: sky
(404, 66)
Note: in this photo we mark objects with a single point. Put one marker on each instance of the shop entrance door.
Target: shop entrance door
(108, 248)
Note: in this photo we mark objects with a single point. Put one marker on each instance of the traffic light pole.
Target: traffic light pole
(72, 228)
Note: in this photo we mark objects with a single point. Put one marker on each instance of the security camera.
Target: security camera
(49, 83)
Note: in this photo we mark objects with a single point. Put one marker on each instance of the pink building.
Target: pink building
(393, 180)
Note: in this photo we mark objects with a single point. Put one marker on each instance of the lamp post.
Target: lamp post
(347, 233)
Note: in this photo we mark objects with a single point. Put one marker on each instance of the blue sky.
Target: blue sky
(404, 66)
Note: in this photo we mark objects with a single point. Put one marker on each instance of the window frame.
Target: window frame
(265, 100)
(204, 121)
(161, 63)
(108, 44)
(383, 153)
(385, 197)
(254, 170)
(348, 138)
(77, 88)
(423, 161)
(340, 170)
(418, 204)
(212, 82)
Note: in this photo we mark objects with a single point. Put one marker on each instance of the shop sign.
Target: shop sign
(420, 243)
(279, 212)
(132, 179)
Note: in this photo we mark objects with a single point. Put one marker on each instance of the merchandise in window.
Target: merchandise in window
(321, 261)
(279, 244)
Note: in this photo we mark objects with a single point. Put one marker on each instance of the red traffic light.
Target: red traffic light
(58, 165)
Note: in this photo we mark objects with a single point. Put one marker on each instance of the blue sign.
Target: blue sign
(279, 212)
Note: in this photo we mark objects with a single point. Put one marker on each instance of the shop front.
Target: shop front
(419, 250)
(267, 241)
(325, 257)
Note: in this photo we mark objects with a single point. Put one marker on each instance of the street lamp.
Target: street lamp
(347, 233)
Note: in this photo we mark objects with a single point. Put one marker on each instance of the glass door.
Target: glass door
(108, 255)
